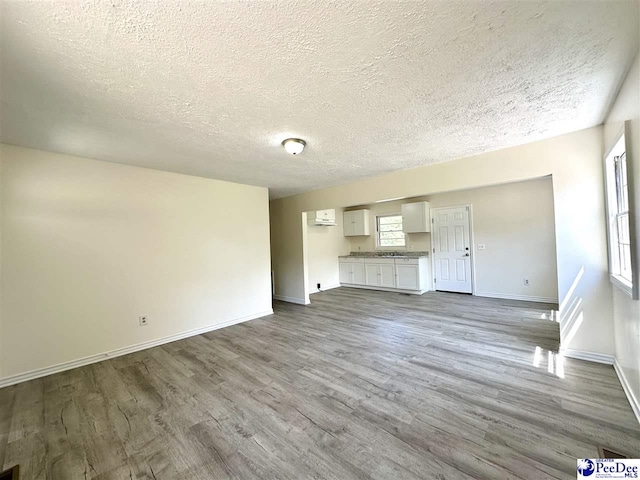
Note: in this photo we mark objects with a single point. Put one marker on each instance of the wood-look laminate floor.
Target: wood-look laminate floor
(357, 385)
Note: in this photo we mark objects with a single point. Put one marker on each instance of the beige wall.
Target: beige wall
(88, 246)
(288, 252)
(627, 311)
(515, 222)
(324, 246)
(575, 162)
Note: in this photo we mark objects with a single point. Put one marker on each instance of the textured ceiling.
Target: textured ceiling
(212, 88)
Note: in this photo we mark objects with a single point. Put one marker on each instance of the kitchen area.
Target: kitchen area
(393, 271)
(385, 246)
(497, 241)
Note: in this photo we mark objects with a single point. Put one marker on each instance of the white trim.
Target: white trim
(588, 356)
(472, 252)
(305, 259)
(631, 288)
(299, 301)
(621, 283)
(81, 362)
(608, 360)
(526, 298)
(385, 289)
(324, 289)
(626, 386)
(380, 248)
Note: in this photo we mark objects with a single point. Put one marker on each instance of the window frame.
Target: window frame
(379, 246)
(619, 156)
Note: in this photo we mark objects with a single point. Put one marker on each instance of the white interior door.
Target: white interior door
(451, 236)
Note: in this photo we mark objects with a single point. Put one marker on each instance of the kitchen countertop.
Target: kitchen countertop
(386, 255)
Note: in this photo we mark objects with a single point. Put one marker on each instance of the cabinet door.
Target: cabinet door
(345, 272)
(387, 276)
(358, 222)
(415, 217)
(358, 276)
(408, 277)
(372, 273)
(347, 224)
(361, 222)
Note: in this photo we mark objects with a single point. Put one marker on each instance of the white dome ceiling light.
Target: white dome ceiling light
(294, 146)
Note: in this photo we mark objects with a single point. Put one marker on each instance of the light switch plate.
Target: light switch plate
(481, 246)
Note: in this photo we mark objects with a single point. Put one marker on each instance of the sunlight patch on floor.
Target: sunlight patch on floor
(554, 361)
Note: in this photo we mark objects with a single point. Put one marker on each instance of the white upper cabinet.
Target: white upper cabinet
(356, 222)
(415, 217)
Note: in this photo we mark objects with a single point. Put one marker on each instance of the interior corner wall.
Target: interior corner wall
(626, 311)
(575, 162)
(88, 246)
(515, 222)
(287, 252)
(324, 246)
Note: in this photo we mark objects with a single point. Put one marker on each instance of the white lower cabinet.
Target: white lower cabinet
(358, 274)
(387, 276)
(352, 272)
(408, 277)
(345, 272)
(380, 274)
(402, 274)
(373, 276)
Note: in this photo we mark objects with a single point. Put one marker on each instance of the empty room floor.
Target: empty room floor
(356, 385)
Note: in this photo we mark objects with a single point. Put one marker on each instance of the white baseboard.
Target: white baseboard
(588, 356)
(324, 289)
(608, 360)
(80, 362)
(633, 400)
(526, 298)
(284, 298)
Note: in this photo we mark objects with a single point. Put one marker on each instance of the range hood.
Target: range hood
(324, 218)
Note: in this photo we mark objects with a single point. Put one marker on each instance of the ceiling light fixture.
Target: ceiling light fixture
(294, 146)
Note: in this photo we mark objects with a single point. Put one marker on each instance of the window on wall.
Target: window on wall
(620, 261)
(389, 228)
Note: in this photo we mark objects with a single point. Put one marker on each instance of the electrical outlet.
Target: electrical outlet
(410, 247)
(481, 246)
(526, 282)
(143, 320)
(318, 286)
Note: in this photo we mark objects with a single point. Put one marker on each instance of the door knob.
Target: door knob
(466, 254)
